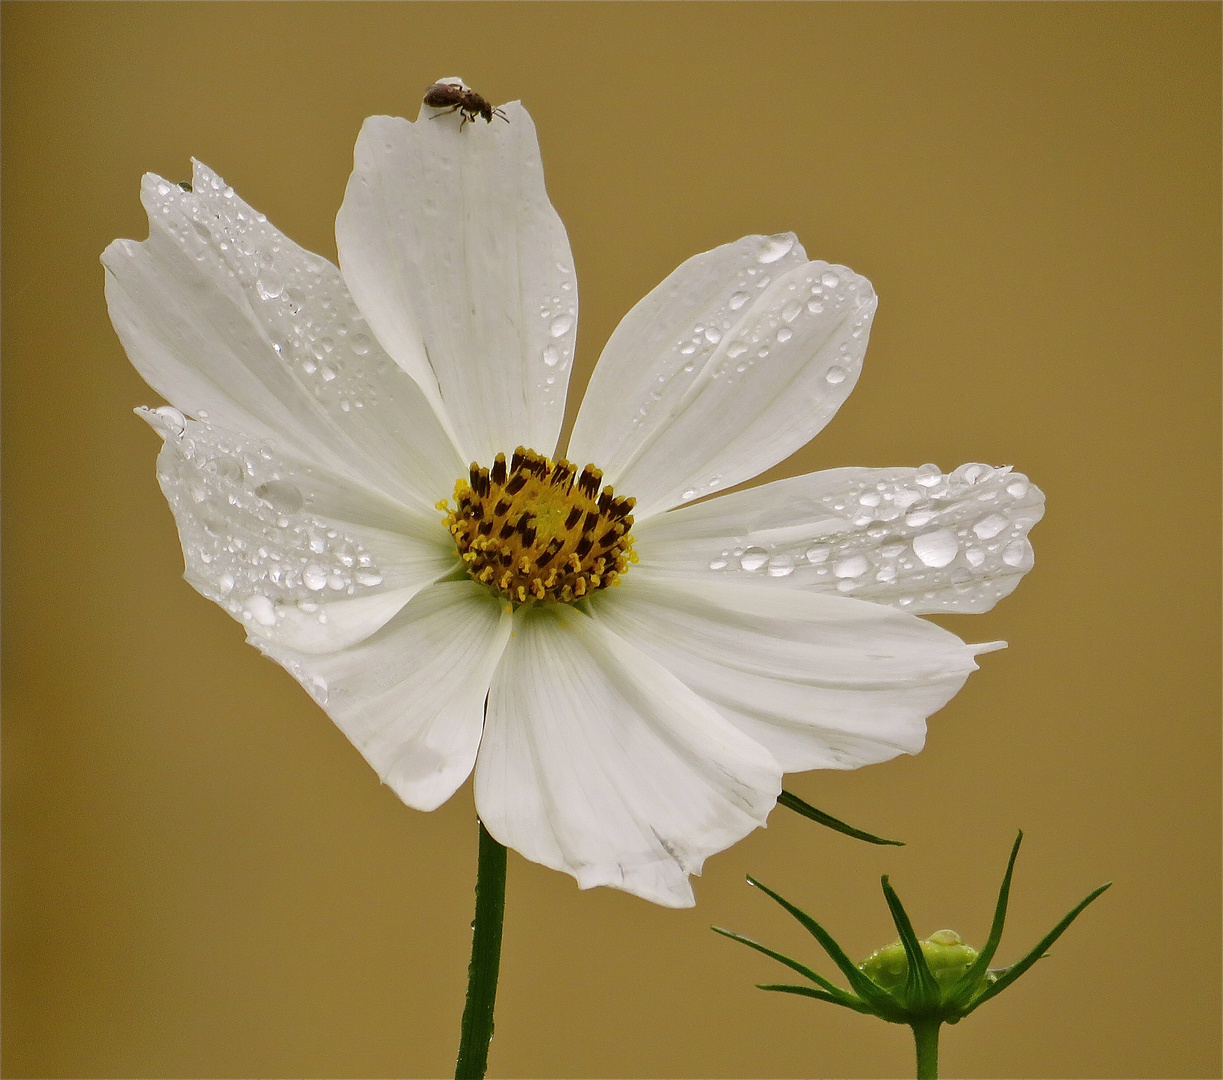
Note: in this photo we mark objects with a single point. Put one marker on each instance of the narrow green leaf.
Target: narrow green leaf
(875, 996)
(1015, 970)
(807, 991)
(961, 993)
(920, 986)
(794, 965)
(793, 802)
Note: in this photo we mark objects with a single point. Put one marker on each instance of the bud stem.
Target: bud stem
(925, 1035)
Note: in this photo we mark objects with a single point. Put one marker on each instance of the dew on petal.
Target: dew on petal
(283, 496)
(818, 553)
(261, 609)
(172, 418)
(989, 527)
(835, 375)
(552, 355)
(937, 548)
(830, 280)
(561, 325)
(928, 475)
(737, 300)
(851, 567)
(1017, 553)
(753, 558)
(781, 565)
(775, 247)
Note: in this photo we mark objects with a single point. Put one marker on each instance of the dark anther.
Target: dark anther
(502, 506)
(574, 516)
(517, 482)
(583, 547)
(516, 460)
(507, 530)
(499, 469)
(485, 527)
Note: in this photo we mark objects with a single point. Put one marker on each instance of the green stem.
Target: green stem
(477, 1029)
(925, 1035)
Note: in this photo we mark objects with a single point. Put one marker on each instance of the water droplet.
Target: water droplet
(829, 280)
(282, 496)
(718, 563)
(737, 300)
(309, 367)
(736, 350)
(818, 553)
(781, 565)
(269, 284)
(1018, 487)
(713, 335)
(835, 375)
(975, 556)
(870, 498)
(791, 311)
(961, 579)
(261, 609)
(936, 548)
(314, 577)
(1017, 553)
(753, 558)
(688, 349)
(561, 325)
(360, 344)
(690, 493)
(989, 527)
(226, 584)
(552, 356)
(784, 334)
(851, 567)
(327, 373)
(814, 306)
(886, 574)
(928, 475)
(369, 577)
(172, 419)
(775, 247)
(972, 473)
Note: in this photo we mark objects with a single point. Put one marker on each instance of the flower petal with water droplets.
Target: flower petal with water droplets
(913, 538)
(301, 557)
(778, 372)
(233, 322)
(598, 762)
(411, 696)
(823, 682)
(660, 350)
(461, 266)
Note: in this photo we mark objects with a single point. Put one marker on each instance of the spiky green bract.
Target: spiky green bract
(793, 802)
(918, 989)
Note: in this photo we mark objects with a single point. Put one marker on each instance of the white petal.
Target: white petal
(598, 762)
(299, 556)
(770, 375)
(411, 697)
(822, 681)
(230, 320)
(457, 259)
(660, 349)
(913, 538)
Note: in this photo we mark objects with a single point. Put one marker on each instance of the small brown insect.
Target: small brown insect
(456, 98)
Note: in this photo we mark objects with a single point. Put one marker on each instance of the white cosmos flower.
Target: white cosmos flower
(319, 416)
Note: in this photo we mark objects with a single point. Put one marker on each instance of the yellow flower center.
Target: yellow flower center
(537, 531)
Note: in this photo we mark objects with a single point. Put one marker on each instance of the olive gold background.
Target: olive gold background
(202, 878)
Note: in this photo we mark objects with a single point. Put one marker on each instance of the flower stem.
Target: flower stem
(925, 1035)
(477, 1030)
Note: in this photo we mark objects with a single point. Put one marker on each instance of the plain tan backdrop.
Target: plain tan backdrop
(203, 878)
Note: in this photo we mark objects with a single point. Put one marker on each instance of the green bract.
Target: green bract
(920, 983)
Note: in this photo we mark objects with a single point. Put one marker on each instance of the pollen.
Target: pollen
(534, 530)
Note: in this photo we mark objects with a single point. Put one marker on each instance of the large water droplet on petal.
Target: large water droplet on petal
(989, 527)
(283, 496)
(561, 325)
(936, 548)
(928, 475)
(851, 567)
(781, 565)
(753, 558)
(775, 247)
(1017, 553)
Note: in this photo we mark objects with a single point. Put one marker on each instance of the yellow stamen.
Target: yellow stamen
(540, 530)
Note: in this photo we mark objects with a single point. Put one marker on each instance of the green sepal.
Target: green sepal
(880, 1000)
(961, 993)
(793, 802)
(921, 990)
(794, 965)
(807, 991)
(1038, 952)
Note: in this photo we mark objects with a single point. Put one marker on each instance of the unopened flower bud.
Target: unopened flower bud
(945, 952)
